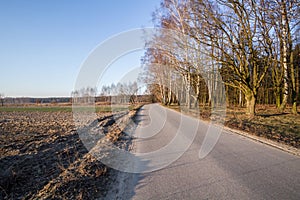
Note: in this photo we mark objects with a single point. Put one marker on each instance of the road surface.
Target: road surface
(236, 168)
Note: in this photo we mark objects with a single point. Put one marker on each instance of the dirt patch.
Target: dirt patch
(43, 157)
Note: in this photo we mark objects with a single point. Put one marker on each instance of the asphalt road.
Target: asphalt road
(236, 168)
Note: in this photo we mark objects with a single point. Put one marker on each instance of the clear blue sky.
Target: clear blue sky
(43, 43)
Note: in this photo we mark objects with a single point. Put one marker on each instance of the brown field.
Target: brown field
(42, 156)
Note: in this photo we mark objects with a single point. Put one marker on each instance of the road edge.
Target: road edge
(272, 143)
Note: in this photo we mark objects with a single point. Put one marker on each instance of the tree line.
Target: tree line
(121, 92)
(252, 46)
(114, 93)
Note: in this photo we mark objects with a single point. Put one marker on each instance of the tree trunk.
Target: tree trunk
(251, 103)
(278, 100)
(293, 78)
(294, 92)
(188, 90)
(285, 57)
(197, 91)
(162, 93)
(170, 100)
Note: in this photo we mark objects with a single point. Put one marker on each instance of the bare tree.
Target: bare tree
(248, 41)
(280, 19)
(286, 11)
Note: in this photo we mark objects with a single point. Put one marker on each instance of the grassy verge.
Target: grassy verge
(283, 128)
(268, 123)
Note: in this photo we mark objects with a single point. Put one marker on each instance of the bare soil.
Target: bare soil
(42, 157)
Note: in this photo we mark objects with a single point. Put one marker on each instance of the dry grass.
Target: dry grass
(268, 123)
